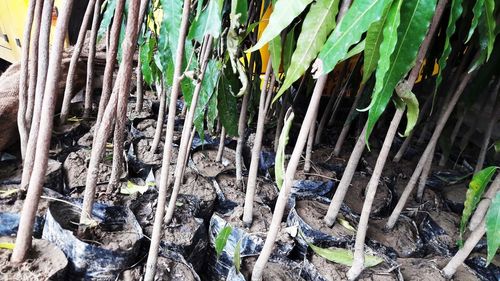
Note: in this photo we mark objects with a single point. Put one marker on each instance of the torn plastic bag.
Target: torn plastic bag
(9, 224)
(266, 161)
(446, 177)
(486, 273)
(251, 245)
(307, 189)
(89, 260)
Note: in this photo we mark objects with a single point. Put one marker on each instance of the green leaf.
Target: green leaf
(107, 17)
(493, 228)
(497, 146)
(344, 256)
(221, 239)
(478, 11)
(275, 52)
(374, 37)
(207, 89)
(411, 102)
(132, 188)
(288, 48)
(209, 22)
(239, 9)
(146, 57)
(415, 18)
(285, 11)
(456, 12)
(171, 22)
(356, 21)
(212, 111)
(280, 152)
(319, 22)
(489, 11)
(476, 189)
(237, 256)
(7, 245)
(227, 103)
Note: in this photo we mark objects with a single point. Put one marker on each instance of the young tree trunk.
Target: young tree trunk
(471, 242)
(371, 190)
(483, 206)
(117, 102)
(43, 60)
(161, 114)
(186, 130)
(23, 79)
(89, 89)
(33, 62)
(220, 151)
(257, 146)
(425, 174)
(167, 152)
(406, 143)
(347, 123)
(28, 213)
(188, 148)
(139, 90)
(288, 180)
(77, 49)
(437, 132)
(495, 113)
(309, 146)
(107, 84)
(240, 141)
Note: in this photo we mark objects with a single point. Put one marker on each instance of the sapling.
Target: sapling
(279, 125)
(222, 140)
(117, 102)
(167, 152)
(186, 130)
(42, 64)
(257, 146)
(495, 114)
(161, 114)
(309, 146)
(32, 68)
(77, 49)
(89, 89)
(23, 77)
(28, 213)
(430, 146)
(139, 90)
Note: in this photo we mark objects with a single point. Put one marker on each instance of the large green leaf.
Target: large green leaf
(344, 256)
(146, 57)
(280, 152)
(221, 239)
(493, 228)
(356, 21)
(319, 22)
(489, 12)
(227, 102)
(275, 52)
(288, 48)
(285, 11)
(171, 22)
(207, 89)
(456, 12)
(478, 11)
(416, 16)
(208, 23)
(374, 37)
(476, 189)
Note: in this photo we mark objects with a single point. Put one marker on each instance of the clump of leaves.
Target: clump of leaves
(477, 186)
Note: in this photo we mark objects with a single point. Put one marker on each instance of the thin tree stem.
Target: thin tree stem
(220, 151)
(28, 213)
(167, 152)
(161, 114)
(489, 129)
(425, 174)
(89, 89)
(347, 123)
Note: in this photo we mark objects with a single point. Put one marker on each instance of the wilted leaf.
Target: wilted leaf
(7, 245)
(132, 188)
(344, 256)
(319, 22)
(236, 256)
(221, 239)
(415, 19)
(280, 152)
(208, 23)
(356, 21)
(493, 228)
(476, 189)
(285, 11)
(412, 109)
